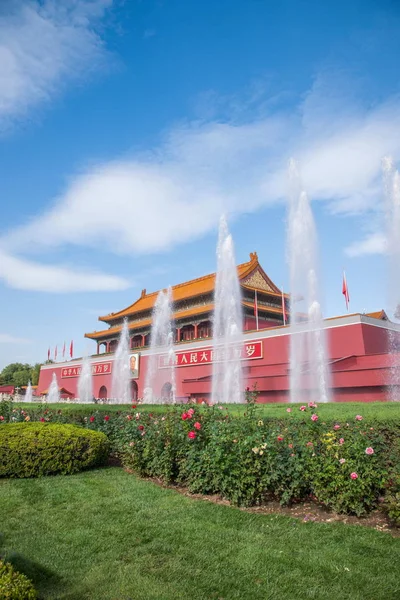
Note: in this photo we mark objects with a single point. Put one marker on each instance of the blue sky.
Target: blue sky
(126, 128)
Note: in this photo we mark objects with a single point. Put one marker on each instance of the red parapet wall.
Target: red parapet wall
(357, 350)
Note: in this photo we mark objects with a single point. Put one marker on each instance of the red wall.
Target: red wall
(362, 375)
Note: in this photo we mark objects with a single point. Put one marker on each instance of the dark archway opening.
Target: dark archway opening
(134, 391)
(103, 392)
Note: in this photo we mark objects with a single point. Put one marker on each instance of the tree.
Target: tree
(19, 374)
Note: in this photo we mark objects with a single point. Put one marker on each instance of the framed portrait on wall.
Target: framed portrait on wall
(134, 365)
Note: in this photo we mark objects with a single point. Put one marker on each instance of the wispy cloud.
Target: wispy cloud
(374, 243)
(23, 274)
(43, 45)
(177, 192)
(6, 338)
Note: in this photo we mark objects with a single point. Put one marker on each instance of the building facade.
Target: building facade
(357, 345)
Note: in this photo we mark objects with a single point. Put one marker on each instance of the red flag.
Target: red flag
(345, 291)
(48, 354)
(64, 350)
(71, 349)
(284, 309)
(55, 353)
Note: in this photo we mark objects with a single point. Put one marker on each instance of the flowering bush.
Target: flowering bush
(350, 465)
(14, 585)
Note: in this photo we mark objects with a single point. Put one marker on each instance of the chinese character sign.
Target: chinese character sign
(97, 369)
(249, 351)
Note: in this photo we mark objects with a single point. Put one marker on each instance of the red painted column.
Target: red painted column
(143, 340)
(196, 328)
(107, 346)
(178, 334)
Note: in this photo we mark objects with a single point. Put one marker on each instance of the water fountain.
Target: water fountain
(163, 379)
(28, 393)
(53, 395)
(392, 192)
(309, 373)
(85, 382)
(121, 378)
(227, 384)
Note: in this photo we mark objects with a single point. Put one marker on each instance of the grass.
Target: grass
(105, 534)
(332, 410)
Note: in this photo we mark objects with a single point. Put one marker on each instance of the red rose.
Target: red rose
(191, 435)
(197, 425)
(141, 427)
(106, 418)
(185, 416)
(280, 438)
(133, 405)
(91, 419)
(42, 420)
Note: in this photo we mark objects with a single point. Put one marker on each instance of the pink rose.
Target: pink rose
(190, 412)
(290, 445)
(354, 475)
(303, 407)
(1, 418)
(369, 451)
(192, 435)
(185, 416)
(358, 418)
(342, 461)
(312, 405)
(309, 444)
(42, 420)
(91, 419)
(197, 425)
(314, 417)
(106, 418)
(288, 410)
(341, 441)
(336, 427)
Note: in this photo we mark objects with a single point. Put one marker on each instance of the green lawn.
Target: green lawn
(105, 534)
(332, 410)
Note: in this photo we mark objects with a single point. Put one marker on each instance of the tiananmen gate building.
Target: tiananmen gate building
(357, 345)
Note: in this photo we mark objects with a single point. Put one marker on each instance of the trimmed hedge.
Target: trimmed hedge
(14, 585)
(35, 449)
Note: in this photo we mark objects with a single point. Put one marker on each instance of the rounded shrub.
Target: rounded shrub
(35, 449)
(14, 585)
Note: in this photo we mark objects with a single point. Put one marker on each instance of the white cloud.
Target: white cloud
(43, 45)
(6, 338)
(22, 274)
(174, 194)
(375, 243)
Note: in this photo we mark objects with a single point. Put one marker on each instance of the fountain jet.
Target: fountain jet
(160, 383)
(121, 379)
(28, 393)
(227, 386)
(85, 382)
(308, 364)
(53, 395)
(391, 178)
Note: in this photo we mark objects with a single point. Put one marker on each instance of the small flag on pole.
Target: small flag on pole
(64, 350)
(55, 353)
(71, 349)
(345, 291)
(256, 308)
(48, 354)
(284, 308)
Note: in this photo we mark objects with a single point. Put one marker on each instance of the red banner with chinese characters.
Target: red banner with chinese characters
(250, 351)
(104, 368)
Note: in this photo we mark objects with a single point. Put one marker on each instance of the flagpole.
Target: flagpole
(256, 307)
(283, 307)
